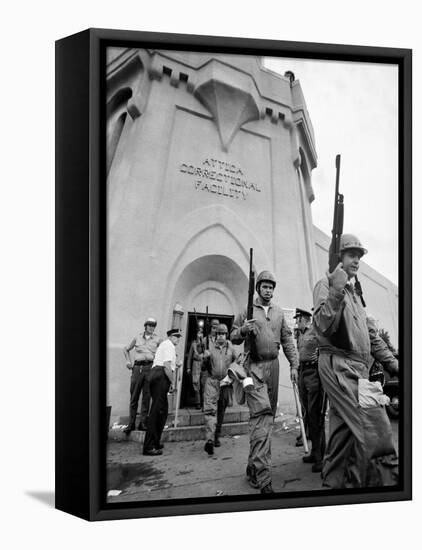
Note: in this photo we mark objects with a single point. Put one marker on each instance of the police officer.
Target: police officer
(263, 335)
(145, 345)
(163, 378)
(217, 393)
(310, 389)
(360, 450)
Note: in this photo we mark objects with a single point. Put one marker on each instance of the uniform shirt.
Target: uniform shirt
(145, 346)
(342, 327)
(166, 352)
(221, 357)
(307, 345)
(196, 353)
(277, 322)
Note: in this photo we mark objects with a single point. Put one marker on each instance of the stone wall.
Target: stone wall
(208, 156)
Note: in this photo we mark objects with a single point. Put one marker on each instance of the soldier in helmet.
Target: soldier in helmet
(263, 335)
(195, 359)
(217, 391)
(360, 450)
(145, 345)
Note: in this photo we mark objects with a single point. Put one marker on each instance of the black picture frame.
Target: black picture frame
(81, 272)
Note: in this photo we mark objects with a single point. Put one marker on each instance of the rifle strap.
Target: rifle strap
(359, 292)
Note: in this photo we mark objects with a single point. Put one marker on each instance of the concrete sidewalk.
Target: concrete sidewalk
(186, 470)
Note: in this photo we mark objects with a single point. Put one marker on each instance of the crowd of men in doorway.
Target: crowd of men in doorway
(335, 347)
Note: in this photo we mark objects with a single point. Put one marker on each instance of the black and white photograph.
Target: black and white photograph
(210, 279)
(252, 275)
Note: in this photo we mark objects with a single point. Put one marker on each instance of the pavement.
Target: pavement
(185, 470)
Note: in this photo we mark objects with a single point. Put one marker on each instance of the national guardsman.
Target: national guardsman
(263, 335)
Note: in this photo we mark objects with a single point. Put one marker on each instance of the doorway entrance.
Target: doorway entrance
(194, 321)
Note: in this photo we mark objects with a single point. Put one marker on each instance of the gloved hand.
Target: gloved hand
(248, 327)
(392, 367)
(338, 278)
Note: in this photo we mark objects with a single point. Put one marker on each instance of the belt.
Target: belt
(143, 362)
(307, 364)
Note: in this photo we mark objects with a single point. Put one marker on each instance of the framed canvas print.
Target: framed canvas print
(233, 274)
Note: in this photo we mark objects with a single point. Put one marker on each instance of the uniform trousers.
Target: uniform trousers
(360, 450)
(196, 381)
(216, 400)
(159, 386)
(202, 381)
(139, 382)
(262, 404)
(311, 397)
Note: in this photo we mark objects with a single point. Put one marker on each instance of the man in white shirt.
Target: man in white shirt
(162, 377)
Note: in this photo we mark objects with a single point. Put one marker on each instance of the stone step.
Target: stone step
(193, 417)
(182, 433)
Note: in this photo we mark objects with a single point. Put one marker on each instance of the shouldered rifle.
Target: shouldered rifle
(338, 219)
(207, 330)
(249, 308)
(340, 338)
(337, 230)
(251, 288)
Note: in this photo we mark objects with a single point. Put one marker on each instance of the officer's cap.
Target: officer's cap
(174, 332)
(302, 313)
(150, 321)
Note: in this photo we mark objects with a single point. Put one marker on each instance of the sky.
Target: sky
(354, 111)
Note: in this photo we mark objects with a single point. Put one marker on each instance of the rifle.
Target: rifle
(249, 307)
(178, 381)
(249, 315)
(338, 219)
(207, 330)
(341, 338)
(248, 381)
(300, 417)
(251, 288)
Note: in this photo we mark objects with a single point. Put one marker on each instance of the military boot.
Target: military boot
(251, 476)
(268, 489)
(209, 447)
(308, 459)
(317, 467)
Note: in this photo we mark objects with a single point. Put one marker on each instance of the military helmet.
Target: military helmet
(222, 328)
(265, 276)
(349, 241)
